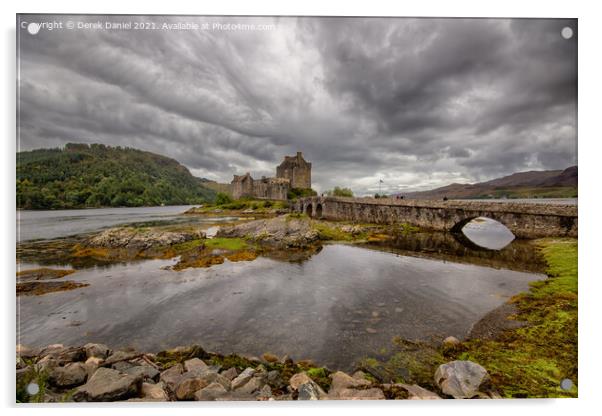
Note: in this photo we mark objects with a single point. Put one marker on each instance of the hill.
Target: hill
(82, 176)
(531, 184)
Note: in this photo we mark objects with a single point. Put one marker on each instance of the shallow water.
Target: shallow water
(342, 304)
(62, 223)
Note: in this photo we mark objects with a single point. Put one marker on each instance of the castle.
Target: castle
(293, 172)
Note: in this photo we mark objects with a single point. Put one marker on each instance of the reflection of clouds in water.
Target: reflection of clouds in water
(340, 305)
(488, 233)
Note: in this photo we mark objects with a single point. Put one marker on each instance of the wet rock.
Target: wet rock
(243, 378)
(71, 354)
(146, 372)
(416, 392)
(119, 356)
(461, 379)
(172, 375)
(309, 391)
(299, 379)
(139, 238)
(230, 373)
(354, 394)
(270, 358)
(279, 232)
(451, 341)
(97, 350)
(23, 351)
(190, 382)
(211, 392)
(265, 393)
(195, 364)
(252, 386)
(53, 350)
(108, 385)
(341, 381)
(92, 365)
(46, 363)
(122, 366)
(73, 374)
(154, 392)
(187, 387)
(274, 379)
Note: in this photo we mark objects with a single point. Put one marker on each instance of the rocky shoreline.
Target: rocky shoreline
(95, 373)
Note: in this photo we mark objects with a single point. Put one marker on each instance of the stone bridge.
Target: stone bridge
(525, 220)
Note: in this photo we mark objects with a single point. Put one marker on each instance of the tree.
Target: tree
(338, 191)
(222, 199)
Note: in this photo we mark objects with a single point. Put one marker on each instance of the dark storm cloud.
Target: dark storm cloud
(416, 102)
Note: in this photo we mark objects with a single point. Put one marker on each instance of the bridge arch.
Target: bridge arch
(319, 211)
(309, 210)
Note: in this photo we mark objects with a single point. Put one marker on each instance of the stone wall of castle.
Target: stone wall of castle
(293, 172)
(297, 170)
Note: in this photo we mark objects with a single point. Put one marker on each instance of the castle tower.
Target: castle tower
(297, 170)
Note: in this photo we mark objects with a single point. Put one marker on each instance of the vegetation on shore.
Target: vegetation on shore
(223, 202)
(529, 361)
(532, 361)
(86, 176)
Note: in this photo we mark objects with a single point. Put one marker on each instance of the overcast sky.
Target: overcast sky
(418, 103)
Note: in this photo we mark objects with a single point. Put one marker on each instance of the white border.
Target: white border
(590, 152)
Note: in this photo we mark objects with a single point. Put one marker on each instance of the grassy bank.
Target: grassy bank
(529, 361)
(532, 360)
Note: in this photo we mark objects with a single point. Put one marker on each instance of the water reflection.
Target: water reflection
(488, 233)
(520, 255)
(342, 304)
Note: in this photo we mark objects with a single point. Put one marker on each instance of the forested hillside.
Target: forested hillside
(96, 175)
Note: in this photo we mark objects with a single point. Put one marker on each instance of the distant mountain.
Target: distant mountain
(81, 176)
(532, 184)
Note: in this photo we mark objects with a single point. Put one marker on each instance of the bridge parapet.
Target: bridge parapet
(525, 220)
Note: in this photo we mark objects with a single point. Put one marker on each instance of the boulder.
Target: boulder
(97, 350)
(341, 381)
(230, 373)
(46, 363)
(461, 379)
(415, 392)
(188, 386)
(252, 386)
(270, 358)
(108, 385)
(72, 354)
(265, 393)
(119, 356)
(146, 372)
(141, 239)
(309, 391)
(73, 374)
(92, 364)
(195, 364)
(243, 378)
(171, 376)
(211, 392)
(53, 349)
(299, 379)
(191, 382)
(274, 379)
(154, 392)
(355, 394)
(23, 351)
(451, 341)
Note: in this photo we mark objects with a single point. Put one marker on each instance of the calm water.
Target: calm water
(341, 305)
(62, 223)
